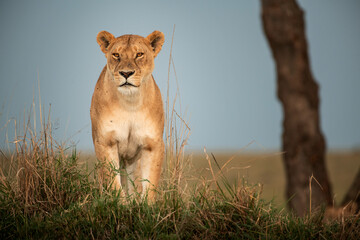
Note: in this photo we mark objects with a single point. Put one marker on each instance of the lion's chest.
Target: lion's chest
(130, 132)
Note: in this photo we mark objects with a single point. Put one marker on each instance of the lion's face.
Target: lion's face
(130, 58)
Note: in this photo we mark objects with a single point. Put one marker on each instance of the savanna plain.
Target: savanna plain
(261, 168)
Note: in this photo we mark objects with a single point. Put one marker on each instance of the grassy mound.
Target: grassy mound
(46, 194)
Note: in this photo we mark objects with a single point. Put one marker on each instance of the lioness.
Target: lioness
(127, 115)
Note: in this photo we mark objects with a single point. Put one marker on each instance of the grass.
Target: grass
(57, 199)
(46, 194)
(263, 168)
(267, 168)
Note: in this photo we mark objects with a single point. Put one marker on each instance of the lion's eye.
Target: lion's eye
(139, 54)
(116, 55)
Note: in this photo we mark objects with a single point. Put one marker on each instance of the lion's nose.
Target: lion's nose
(126, 75)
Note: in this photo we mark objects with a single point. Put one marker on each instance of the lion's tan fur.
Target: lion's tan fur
(128, 120)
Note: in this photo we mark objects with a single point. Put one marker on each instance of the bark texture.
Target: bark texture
(302, 140)
(353, 195)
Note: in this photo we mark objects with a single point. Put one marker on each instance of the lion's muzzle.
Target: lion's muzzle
(126, 75)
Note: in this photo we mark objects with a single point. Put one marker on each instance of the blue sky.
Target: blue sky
(223, 63)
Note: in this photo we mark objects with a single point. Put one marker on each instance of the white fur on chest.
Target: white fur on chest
(130, 131)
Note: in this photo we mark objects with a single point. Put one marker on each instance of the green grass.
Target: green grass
(45, 194)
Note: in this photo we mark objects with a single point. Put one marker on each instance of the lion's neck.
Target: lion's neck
(131, 101)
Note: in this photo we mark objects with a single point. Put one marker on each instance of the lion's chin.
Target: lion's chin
(128, 89)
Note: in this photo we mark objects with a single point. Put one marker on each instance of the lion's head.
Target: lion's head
(130, 58)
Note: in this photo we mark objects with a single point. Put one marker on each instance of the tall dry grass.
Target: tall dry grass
(38, 173)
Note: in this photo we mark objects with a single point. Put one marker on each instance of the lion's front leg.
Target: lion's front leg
(131, 168)
(109, 158)
(151, 164)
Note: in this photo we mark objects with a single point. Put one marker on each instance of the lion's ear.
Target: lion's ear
(104, 39)
(156, 39)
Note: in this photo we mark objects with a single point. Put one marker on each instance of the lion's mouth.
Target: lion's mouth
(127, 84)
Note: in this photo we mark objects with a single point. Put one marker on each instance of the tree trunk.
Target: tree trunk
(302, 140)
(353, 195)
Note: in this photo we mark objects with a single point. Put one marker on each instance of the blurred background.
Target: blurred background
(226, 74)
